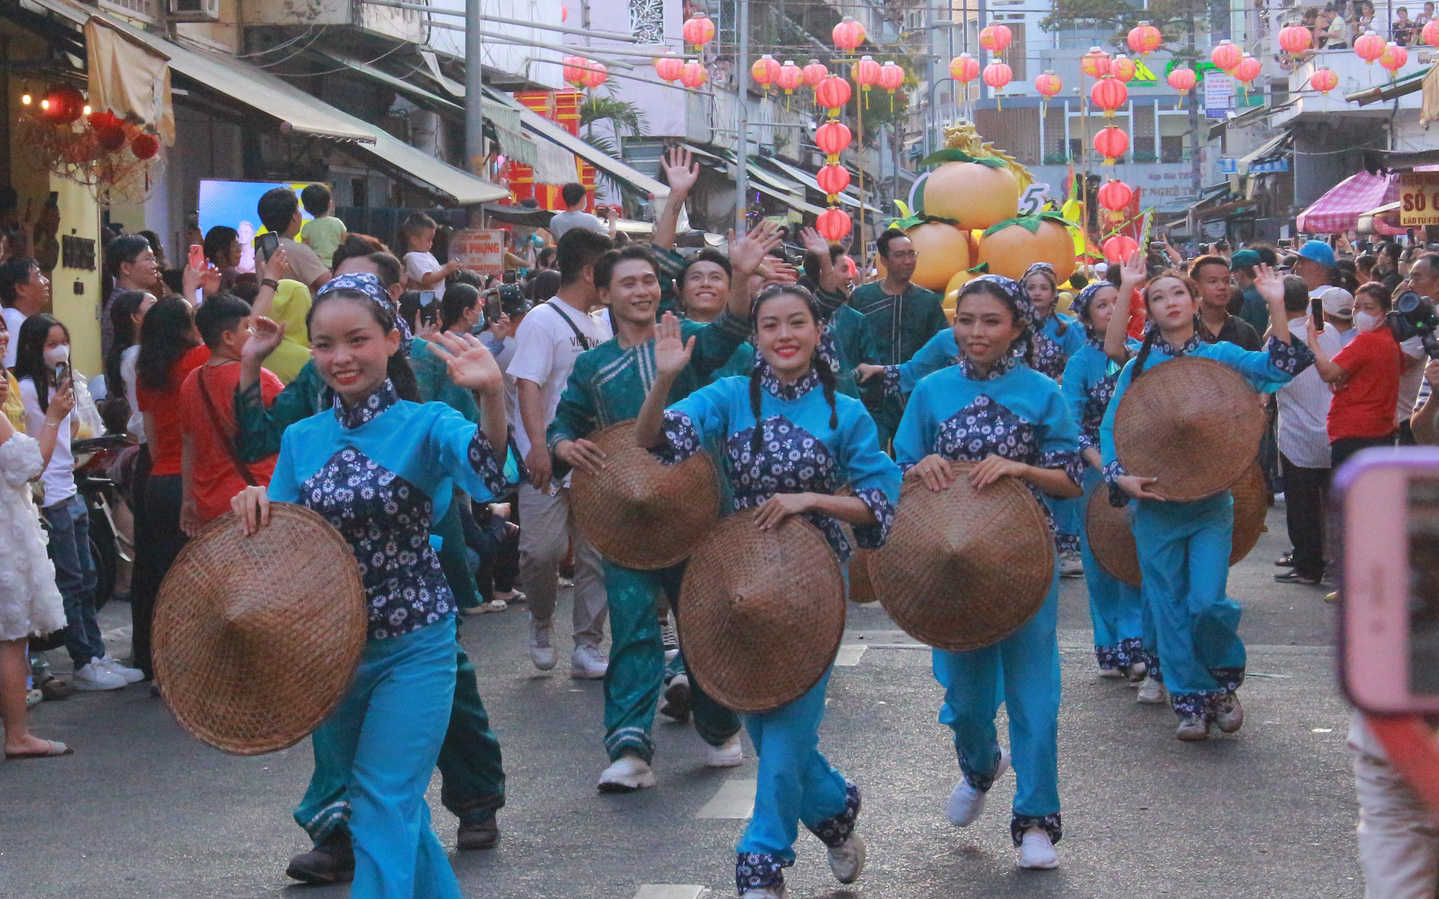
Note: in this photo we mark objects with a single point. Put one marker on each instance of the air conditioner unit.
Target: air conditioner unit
(194, 10)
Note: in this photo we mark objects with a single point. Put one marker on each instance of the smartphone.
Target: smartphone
(197, 257)
(62, 373)
(266, 245)
(1316, 309)
(493, 308)
(429, 310)
(1388, 519)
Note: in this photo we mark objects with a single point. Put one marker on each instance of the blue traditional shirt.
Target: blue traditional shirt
(1266, 371)
(1011, 411)
(382, 472)
(1053, 349)
(800, 451)
(1089, 379)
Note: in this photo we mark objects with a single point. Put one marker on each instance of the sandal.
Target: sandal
(54, 748)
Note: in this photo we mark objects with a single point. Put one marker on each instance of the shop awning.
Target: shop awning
(764, 180)
(1339, 209)
(809, 181)
(541, 127)
(1270, 156)
(1392, 90)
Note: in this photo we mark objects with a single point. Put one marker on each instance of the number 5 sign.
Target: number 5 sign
(1418, 199)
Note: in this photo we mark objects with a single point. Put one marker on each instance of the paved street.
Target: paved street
(144, 810)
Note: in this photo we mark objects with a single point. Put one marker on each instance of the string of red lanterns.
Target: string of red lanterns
(1144, 39)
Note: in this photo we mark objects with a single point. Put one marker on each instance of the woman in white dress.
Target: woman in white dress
(30, 604)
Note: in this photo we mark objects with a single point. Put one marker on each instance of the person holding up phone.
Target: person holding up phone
(1365, 375)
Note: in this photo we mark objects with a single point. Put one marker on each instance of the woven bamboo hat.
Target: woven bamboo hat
(965, 568)
(761, 612)
(861, 584)
(1192, 423)
(640, 512)
(239, 618)
(1111, 535)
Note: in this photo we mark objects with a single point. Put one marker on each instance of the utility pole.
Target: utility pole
(474, 90)
(1196, 169)
(741, 175)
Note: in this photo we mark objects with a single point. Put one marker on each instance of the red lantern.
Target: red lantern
(145, 145)
(1394, 57)
(832, 138)
(1225, 55)
(1095, 63)
(865, 73)
(110, 139)
(693, 74)
(833, 225)
(105, 120)
(1247, 70)
(699, 30)
(997, 75)
(815, 72)
(1295, 39)
(995, 38)
(574, 70)
(833, 93)
(1120, 247)
(1048, 84)
(891, 76)
(1430, 34)
(790, 77)
(1144, 39)
(1324, 80)
(1182, 79)
(595, 74)
(669, 66)
(1115, 195)
(964, 68)
(1111, 143)
(1109, 94)
(1369, 46)
(833, 179)
(1123, 69)
(848, 35)
(63, 104)
(764, 72)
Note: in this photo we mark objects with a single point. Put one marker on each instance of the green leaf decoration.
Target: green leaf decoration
(912, 221)
(903, 208)
(942, 156)
(1031, 223)
(981, 269)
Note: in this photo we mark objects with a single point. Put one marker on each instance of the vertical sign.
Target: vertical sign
(1218, 95)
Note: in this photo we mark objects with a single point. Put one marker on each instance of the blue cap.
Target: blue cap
(1318, 251)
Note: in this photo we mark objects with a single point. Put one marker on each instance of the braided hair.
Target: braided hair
(821, 365)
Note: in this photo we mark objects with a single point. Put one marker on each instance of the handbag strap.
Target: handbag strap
(225, 439)
(585, 342)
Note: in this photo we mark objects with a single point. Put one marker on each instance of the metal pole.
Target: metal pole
(474, 89)
(741, 177)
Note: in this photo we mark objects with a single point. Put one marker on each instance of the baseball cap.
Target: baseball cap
(1245, 259)
(1318, 251)
(512, 301)
(1338, 302)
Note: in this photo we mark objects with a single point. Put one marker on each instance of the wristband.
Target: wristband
(270, 283)
(52, 424)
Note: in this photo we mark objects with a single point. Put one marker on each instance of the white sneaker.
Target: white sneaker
(588, 663)
(1071, 565)
(1036, 851)
(765, 893)
(628, 774)
(729, 754)
(541, 652)
(1151, 692)
(847, 861)
(494, 605)
(965, 802)
(670, 639)
(95, 677)
(131, 675)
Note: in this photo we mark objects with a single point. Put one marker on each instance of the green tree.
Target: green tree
(625, 119)
(1175, 19)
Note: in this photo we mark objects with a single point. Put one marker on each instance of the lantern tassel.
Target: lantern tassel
(1110, 160)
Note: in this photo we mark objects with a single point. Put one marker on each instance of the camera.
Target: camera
(1412, 316)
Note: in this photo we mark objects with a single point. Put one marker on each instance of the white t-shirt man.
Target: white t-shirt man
(575, 218)
(1304, 406)
(14, 318)
(546, 347)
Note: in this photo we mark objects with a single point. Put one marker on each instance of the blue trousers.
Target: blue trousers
(1022, 670)
(1068, 522)
(386, 733)
(795, 784)
(1184, 559)
(75, 577)
(1115, 608)
(637, 665)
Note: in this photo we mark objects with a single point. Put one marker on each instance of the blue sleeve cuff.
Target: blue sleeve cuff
(681, 440)
(1113, 471)
(486, 464)
(1291, 358)
(1068, 461)
(872, 536)
(892, 381)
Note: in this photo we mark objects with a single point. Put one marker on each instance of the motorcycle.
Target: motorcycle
(99, 463)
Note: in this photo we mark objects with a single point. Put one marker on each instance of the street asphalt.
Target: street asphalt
(144, 810)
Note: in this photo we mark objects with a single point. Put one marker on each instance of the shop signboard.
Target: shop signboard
(1418, 199)
(480, 250)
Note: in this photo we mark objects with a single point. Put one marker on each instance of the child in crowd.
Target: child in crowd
(422, 270)
(323, 232)
(210, 466)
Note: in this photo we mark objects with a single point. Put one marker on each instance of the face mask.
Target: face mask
(1365, 321)
(57, 354)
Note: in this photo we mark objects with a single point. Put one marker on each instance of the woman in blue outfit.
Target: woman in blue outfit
(789, 444)
(993, 409)
(1184, 546)
(381, 469)
(1089, 377)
